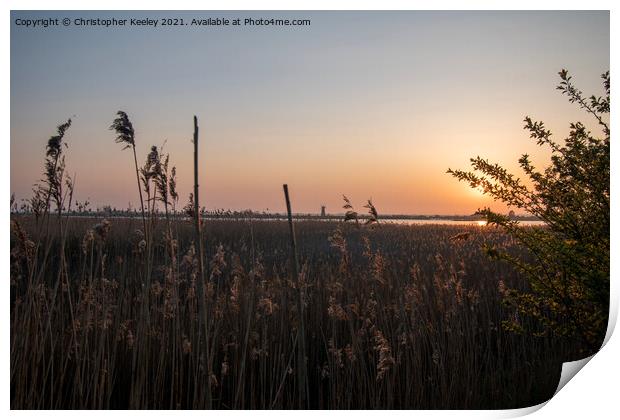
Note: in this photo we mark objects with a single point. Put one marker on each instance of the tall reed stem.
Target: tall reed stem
(301, 348)
(135, 159)
(200, 281)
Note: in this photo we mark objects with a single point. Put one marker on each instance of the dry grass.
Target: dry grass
(394, 316)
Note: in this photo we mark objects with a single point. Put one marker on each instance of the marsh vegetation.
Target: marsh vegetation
(168, 310)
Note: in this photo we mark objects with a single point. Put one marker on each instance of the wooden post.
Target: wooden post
(302, 376)
(202, 314)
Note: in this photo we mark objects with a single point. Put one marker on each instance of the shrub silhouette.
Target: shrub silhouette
(568, 273)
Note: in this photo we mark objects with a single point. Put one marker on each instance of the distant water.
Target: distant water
(333, 219)
(454, 222)
(394, 221)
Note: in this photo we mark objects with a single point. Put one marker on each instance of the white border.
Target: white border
(593, 394)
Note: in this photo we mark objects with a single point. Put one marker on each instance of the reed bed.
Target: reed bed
(394, 317)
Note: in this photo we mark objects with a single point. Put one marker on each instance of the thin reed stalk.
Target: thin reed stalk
(304, 391)
(201, 271)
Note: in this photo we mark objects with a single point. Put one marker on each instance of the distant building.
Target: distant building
(322, 211)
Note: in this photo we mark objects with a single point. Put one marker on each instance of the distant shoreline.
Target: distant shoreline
(282, 216)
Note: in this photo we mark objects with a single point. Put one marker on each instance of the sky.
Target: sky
(366, 104)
